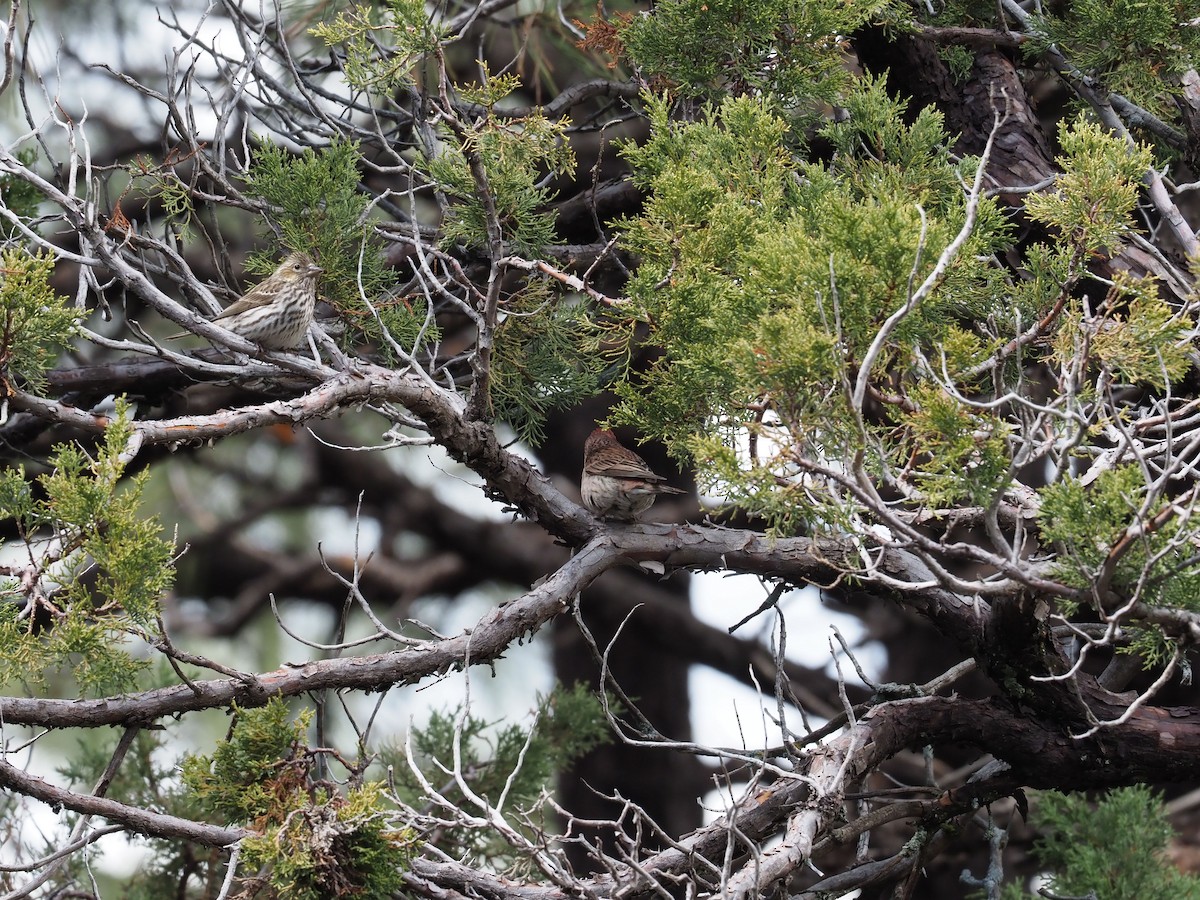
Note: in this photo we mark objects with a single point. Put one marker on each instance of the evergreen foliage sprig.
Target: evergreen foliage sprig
(550, 355)
(34, 320)
(1114, 848)
(517, 157)
(382, 42)
(1137, 48)
(21, 198)
(765, 279)
(1109, 533)
(317, 207)
(314, 841)
(95, 567)
(788, 50)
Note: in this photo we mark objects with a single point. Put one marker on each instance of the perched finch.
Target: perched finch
(617, 483)
(277, 312)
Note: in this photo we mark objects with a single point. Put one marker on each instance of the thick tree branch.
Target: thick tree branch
(135, 819)
(1038, 752)
(482, 645)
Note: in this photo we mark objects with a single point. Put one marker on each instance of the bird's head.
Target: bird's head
(298, 267)
(601, 437)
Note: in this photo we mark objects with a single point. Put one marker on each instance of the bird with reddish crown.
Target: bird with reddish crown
(617, 484)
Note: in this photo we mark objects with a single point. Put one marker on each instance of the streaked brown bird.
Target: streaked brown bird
(617, 484)
(277, 312)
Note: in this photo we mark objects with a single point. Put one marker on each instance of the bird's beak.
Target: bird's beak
(314, 269)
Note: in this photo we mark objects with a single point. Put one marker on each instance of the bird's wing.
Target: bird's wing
(253, 300)
(625, 469)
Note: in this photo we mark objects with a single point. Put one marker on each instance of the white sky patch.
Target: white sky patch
(726, 712)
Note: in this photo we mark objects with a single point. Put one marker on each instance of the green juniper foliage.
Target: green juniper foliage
(1112, 849)
(317, 207)
(331, 846)
(159, 180)
(1133, 336)
(141, 776)
(1098, 188)
(145, 779)
(1138, 48)
(766, 279)
(549, 356)
(80, 519)
(314, 842)
(256, 769)
(789, 50)
(1086, 522)
(382, 44)
(21, 197)
(545, 355)
(764, 276)
(34, 320)
(516, 159)
(1097, 534)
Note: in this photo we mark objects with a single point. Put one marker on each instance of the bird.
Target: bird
(617, 484)
(276, 312)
